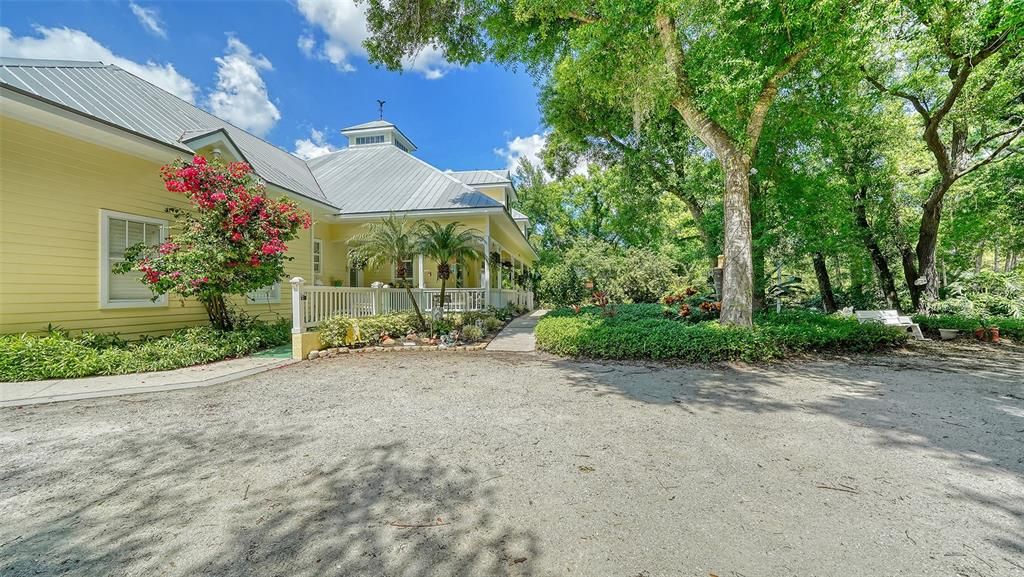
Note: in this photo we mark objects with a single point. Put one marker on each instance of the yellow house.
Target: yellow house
(81, 145)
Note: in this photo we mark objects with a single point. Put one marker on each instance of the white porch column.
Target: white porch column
(298, 319)
(422, 286)
(485, 272)
(514, 272)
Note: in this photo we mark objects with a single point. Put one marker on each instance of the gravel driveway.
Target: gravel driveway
(474, 464)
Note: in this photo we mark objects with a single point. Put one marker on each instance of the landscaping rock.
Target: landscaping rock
(313, 355)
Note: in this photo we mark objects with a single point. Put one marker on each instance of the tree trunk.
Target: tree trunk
(217, 312)
(828, 299)
(757, 252)
(415, 306)
(444, 281)
(927, 242)
(878, 258)
(910, 275)
(737, 282)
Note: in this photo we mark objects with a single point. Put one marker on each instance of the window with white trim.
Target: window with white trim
(318, 256)
(270, 295)
(118, 231)
(408, 271)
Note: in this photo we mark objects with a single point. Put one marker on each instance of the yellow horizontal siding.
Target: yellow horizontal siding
(52, 188)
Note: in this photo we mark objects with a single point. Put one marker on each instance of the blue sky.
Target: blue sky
(293, 72)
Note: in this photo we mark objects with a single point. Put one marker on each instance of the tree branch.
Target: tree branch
(710, 132)
(582, 18)
(768, 93)
(915, 101)
(992, 156)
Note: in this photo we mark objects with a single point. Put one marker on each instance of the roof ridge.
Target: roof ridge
(51, 63)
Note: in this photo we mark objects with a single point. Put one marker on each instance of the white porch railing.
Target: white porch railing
(311, 305)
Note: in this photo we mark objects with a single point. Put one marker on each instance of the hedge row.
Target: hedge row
(642, 332)
(58, 355)
(1009, 327)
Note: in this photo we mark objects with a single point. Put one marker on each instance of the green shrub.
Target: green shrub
(1011, 328)
(58, 355)
(492, 323)
(334, 331)
(396, 325)
(984, 293)
(629, 275)
(642, 332)
(472, 333)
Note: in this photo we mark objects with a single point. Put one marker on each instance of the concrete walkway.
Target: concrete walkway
(517, 336)
(48, 391)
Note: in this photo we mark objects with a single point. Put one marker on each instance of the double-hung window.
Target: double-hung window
(118, 231)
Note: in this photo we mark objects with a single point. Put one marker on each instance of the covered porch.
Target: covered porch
(342, 285)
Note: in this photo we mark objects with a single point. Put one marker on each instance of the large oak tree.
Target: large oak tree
(719, 65)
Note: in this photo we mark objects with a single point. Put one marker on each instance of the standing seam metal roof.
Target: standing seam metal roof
(385, 178)
(355, 179)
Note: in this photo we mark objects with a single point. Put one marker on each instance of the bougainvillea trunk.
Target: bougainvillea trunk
(218, 312)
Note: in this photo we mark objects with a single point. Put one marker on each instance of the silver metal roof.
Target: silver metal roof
(516, 215)
(115, 96)
(478, 177)
(354, 180)
(369, 125)
(366, 179)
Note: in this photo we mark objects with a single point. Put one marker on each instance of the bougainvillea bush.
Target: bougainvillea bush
(231, 241)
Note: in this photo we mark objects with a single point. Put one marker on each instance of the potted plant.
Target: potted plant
(986, 332)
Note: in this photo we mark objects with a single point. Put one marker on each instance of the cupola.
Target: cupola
(377, 133)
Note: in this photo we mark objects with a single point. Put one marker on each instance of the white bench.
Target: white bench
(890, 318)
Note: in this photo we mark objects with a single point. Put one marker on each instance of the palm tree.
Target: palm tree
(391, 240)
(446, 243)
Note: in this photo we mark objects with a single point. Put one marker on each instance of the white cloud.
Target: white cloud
(344, 23)
(241, 96)
(307, 45)
(149, 18)
(531, 147)
(70, 44)
(314, 146)
(430, 62)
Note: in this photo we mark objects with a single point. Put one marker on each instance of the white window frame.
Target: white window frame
(318, 256)
(105, 268)
(409, 270)
(272, 292)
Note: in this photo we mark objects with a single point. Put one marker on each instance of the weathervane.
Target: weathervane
(380, 108)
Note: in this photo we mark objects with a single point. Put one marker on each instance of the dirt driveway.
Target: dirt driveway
(474, 464)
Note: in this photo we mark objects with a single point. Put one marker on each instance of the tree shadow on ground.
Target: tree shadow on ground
(965, 407)
(161, 506)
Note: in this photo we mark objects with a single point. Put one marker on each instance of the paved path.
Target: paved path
(48, 391)
(518, 336)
